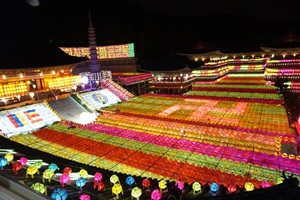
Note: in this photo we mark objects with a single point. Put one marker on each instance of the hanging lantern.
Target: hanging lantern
(196, 187)
(231, 188)
(136, 192)
(84, 197)
(117, 189)
(32, 170)
(146, 183)
(80, 182)
(9, 157)
(64, 178)
(114, 179)
(130, 180)
(179, 184)
(23, 160)
(97, 176)
(59, 194)
(17, 166)
(83, 173)
(53, 167)
(48, 174)
(249, 186)
(162, 185)
(67, 170)
(214, 187)
(3, 162)
(156, 195)
(99, 184)
(39, 187)
(38, 164)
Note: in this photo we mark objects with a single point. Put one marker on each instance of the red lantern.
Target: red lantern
(67, 170)
(146, 183)
(231, 188)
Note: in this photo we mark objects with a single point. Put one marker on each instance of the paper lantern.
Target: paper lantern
(249, 186)
(179, 184)
(48, 174)
(80, 182)
(130, 180)
(231, 188)
(214, 187)
(265, 184)
(196, 187)
(38, 164)
(64, 178)
(9, 157)
(99, 185)
(83, 173)
(114, 179)
(23, 160)
(59, 194)
(3, 162)
(67, 170)
(117, 189)
(17, 166)
(98, 176)
(162, 185)
(156, 194)
(39, 187)
(146, 183)
(136, 192)
(32, 170)
(53, 167)
(84, 197)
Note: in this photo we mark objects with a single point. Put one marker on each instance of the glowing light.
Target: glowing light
(84, 79)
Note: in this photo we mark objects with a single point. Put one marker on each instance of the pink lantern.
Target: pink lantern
(156, 194)
(179, 184)
(23, 160)
(231, 188)
(64, 178)
(97, 176)
(265, 184)
(84, 197)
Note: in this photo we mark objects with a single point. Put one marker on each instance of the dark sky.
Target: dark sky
(169, 24)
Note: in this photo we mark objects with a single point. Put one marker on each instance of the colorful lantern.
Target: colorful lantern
(64, 178)
(146, 183)
(196, 187)
(99, 184)
(162, 185)
(117, 189)
(67, 170)
(84, 197)
(114, 179)
(130, 180)
(48, 174)
(80, 182)
(17, 166)
(136, 192)
(156, 195)
(249, 186)
(265, 184)
(83, 173)
(9, 157)
(32, 170)
(180, 185)
(214, 187)
(231, 188)
(3, 162)
(23, 160)
(53, 167)
(98, 176)
(39, 187)
(38, 164)
(59, 194)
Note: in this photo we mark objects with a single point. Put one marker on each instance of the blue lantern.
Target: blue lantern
(59, 194)
(80, 182)
(130, 180)
(214, 187)
(3, 162)
(53, 167)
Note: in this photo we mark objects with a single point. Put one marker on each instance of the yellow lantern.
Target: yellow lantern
(196, 187)
(249, 186)
(114, 179)
(31, 170)
(48, 174)
(83, 173)
(117, 189)
(39, 187)
(9, 157)
(162, 185)
(136, 192)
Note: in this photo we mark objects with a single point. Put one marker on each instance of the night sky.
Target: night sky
(157, 27)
